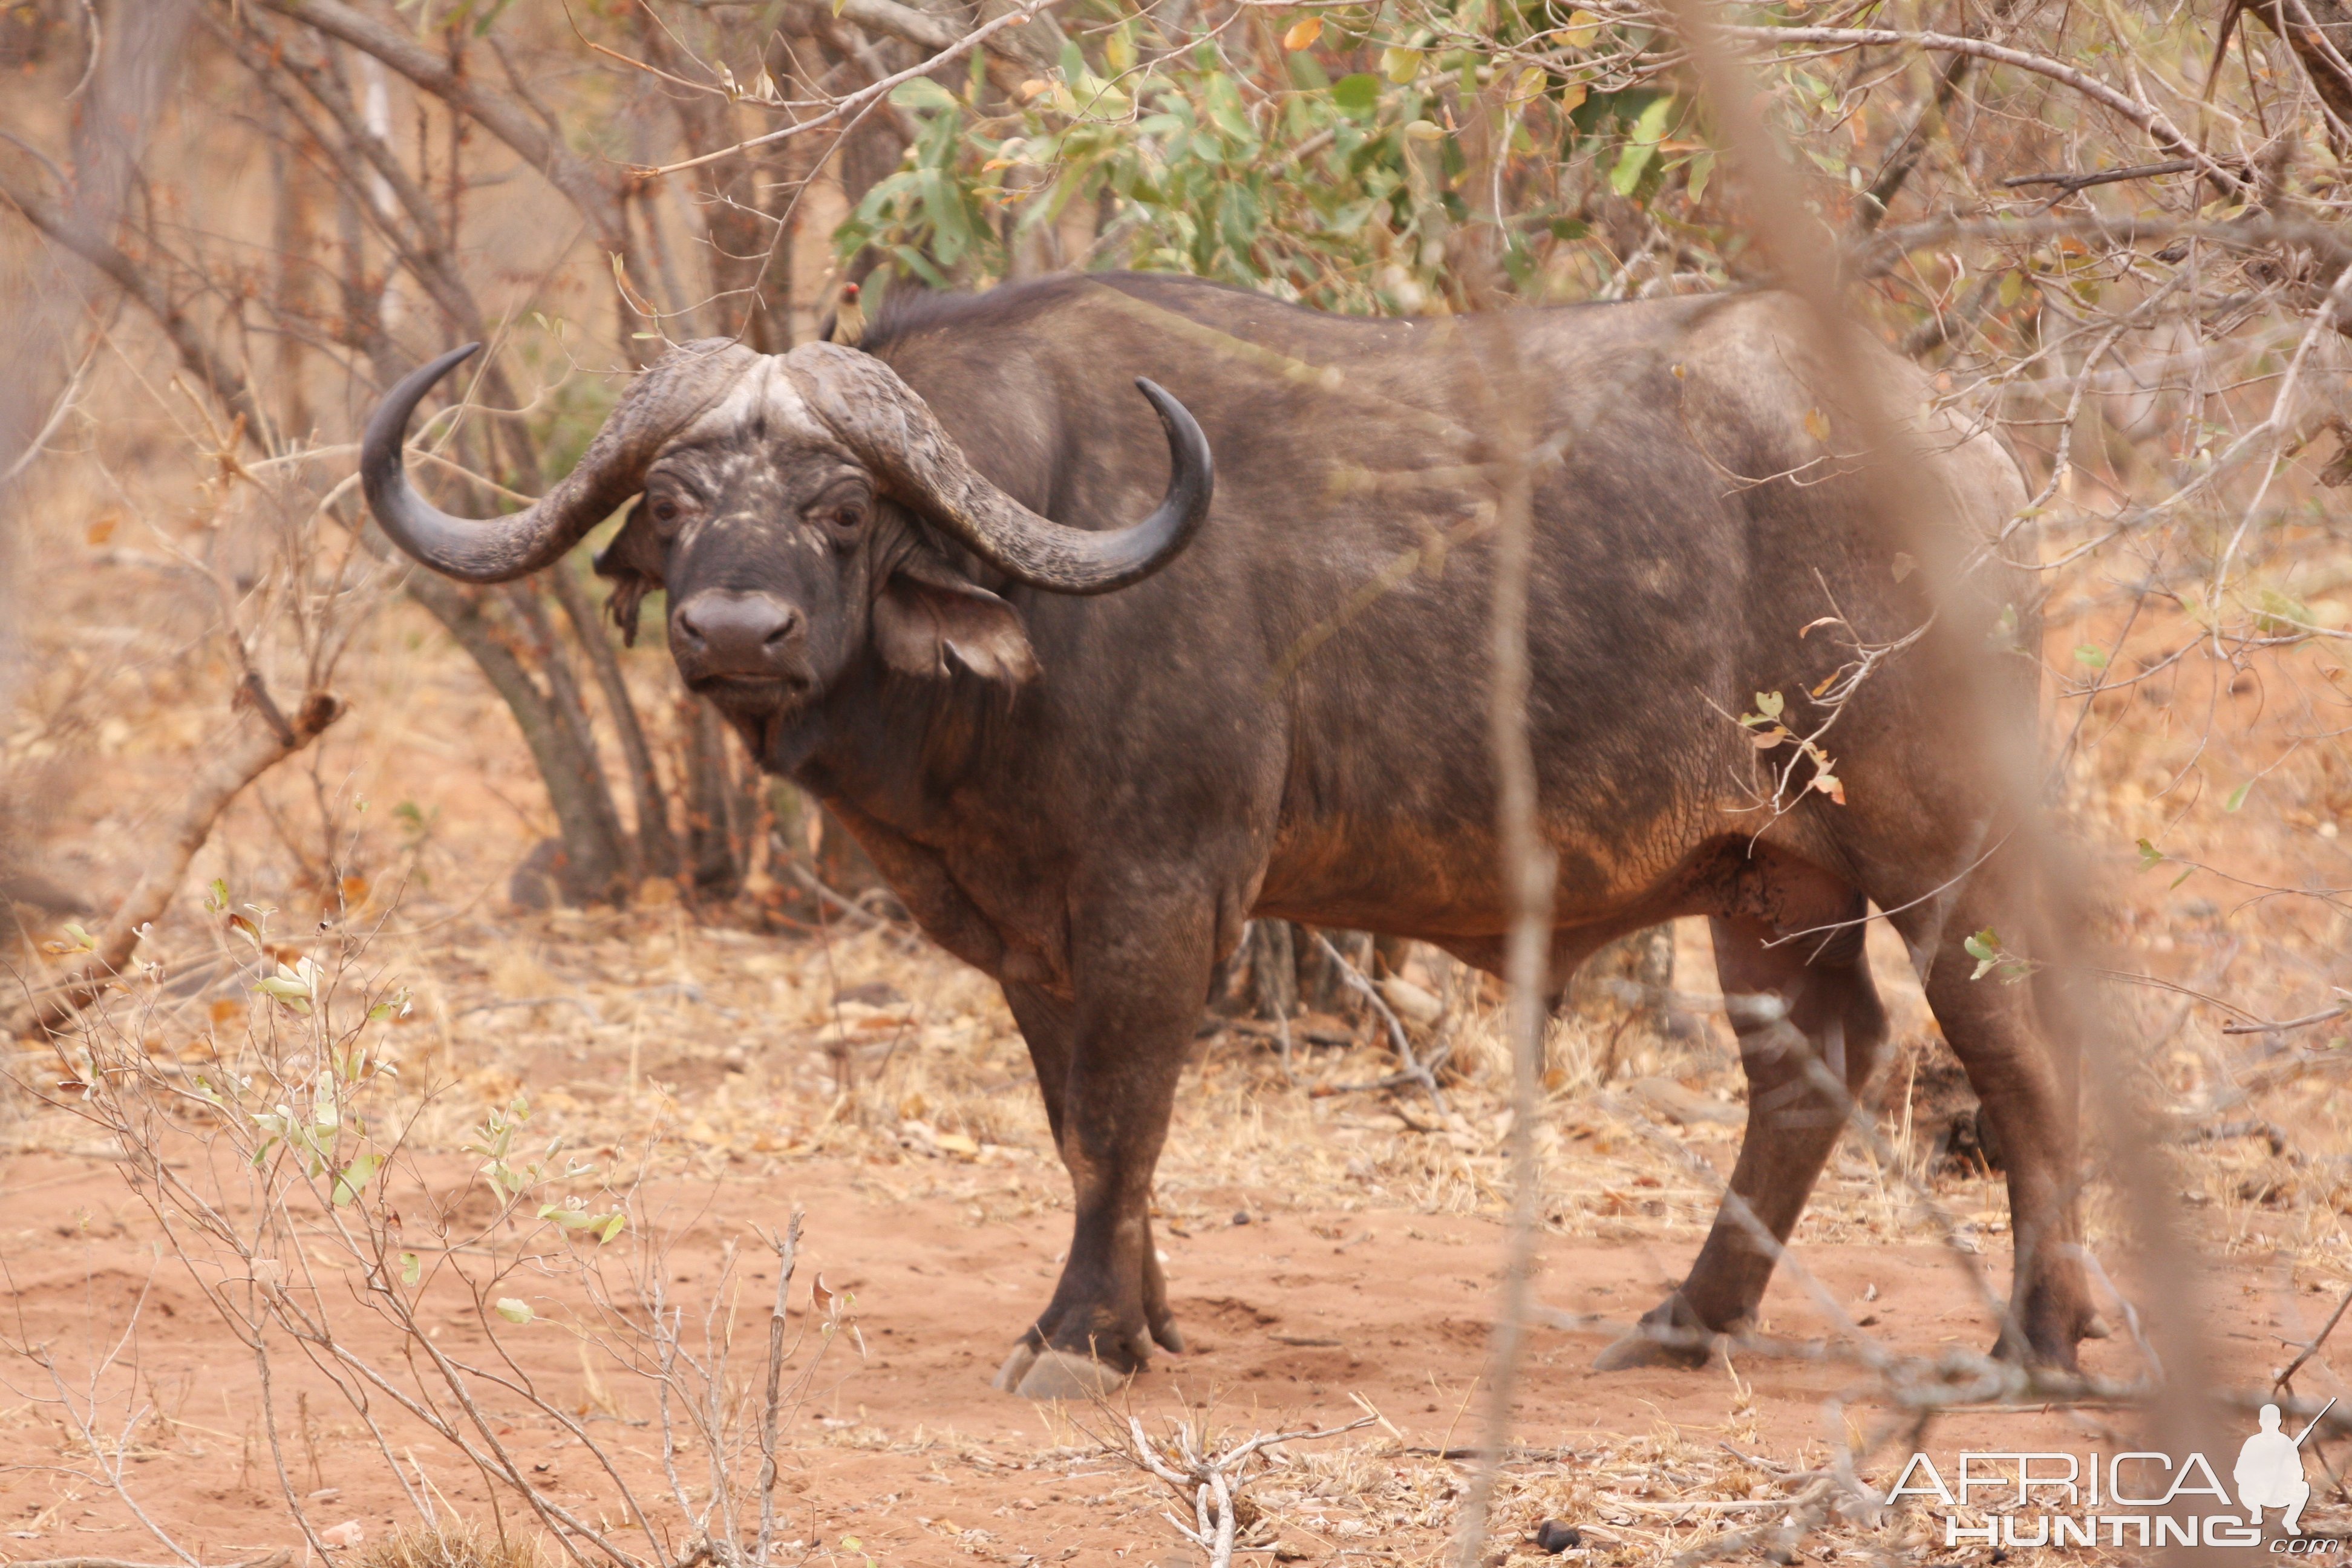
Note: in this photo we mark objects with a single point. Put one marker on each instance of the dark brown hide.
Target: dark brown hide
(1288, 718)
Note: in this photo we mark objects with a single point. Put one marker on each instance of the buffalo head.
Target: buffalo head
(785, 499)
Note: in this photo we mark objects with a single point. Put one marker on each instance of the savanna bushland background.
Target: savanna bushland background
(456, 1112)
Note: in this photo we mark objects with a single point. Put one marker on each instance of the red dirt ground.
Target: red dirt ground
(910, 1451)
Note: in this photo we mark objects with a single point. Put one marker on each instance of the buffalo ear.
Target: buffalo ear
(920, 621)
(634, 562)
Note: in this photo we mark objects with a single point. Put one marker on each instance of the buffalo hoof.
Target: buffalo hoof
(1053, 1374)
(1642, 1348)
(1058, 1374)
(1016, 1367)
(2048, 1352)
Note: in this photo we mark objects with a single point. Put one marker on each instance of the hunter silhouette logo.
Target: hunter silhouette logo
(2134, 1499)
(2270, 1471)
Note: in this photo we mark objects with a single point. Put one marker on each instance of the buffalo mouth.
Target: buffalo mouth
(752, 696)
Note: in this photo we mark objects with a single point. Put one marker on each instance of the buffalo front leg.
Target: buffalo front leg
(1793, 1005)
(1108, 1062)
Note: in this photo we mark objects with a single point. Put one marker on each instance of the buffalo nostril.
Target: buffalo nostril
(732, 632)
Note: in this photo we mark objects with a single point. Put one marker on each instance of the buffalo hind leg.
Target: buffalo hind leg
(1108, 1065)
(1994, 1029)
(1791, 1003)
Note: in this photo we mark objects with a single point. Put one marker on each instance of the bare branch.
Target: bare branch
(2146, 116)
(857, 102)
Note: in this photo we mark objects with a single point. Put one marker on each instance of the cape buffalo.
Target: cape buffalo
(1085, 750)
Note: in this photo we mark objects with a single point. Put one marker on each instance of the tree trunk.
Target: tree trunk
(710, 806)
(570, 711)
(595, 864)
(291, 239)
(657, 845)
(1273, 968)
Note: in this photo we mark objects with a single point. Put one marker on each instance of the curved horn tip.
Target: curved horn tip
(1174, 414)
(452, 546)
(408, 392)
(1185, 443)
(422, 378)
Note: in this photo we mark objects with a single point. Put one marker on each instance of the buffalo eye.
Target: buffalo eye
(842, 514)
(665, 511)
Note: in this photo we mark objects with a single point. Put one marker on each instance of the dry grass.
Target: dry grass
(459, 1544)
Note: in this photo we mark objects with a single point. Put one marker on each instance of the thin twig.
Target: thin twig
(1414, 1071)
(857, 101)
(787, 1250)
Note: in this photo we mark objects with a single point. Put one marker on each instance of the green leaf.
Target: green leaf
(1223, 102)
(1985, 948)
(613, 1226)
(1358, 95)
(355, 1178)
(921, 92)
(1648, 131)
(1401, 66)
(1632, 161)
(2280, 614)
(290, 994)
(412, 1269)
(2150, 857)
(216, 896)
(2237, 796)
(2091, 658)
(514, 1310)
(1769, 703)
(1702, 169)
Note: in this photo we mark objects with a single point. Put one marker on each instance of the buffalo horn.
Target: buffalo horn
(895, 433)
(685, 382)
